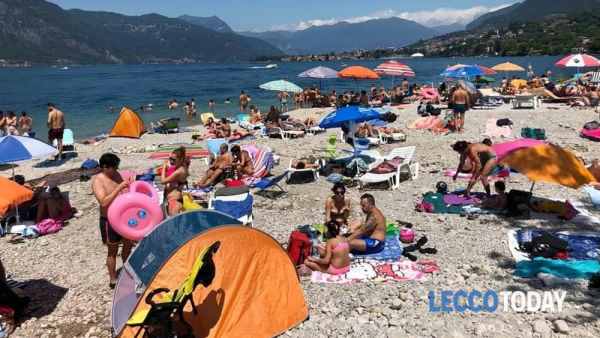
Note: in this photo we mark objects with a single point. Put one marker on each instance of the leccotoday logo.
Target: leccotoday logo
(490, 301)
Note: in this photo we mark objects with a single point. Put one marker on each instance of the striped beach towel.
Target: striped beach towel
(262, 160)
(192, 151)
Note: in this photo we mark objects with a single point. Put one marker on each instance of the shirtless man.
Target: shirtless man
(56, 127)
(106, 187)
(243, 101)
(221, 163)
(369, 237)
(242, 162)
(25, 124)
(223, 129)
(460, 102)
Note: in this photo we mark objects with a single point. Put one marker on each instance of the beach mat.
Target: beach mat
(564, 269)
(582, 245)
(391, 252)
(370, 270)
(192, 151)
(466, 176)
(64, 177)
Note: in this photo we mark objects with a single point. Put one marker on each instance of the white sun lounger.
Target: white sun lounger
(291, 171)
(407, 154)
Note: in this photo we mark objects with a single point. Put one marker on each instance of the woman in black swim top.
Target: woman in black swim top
(483, 160)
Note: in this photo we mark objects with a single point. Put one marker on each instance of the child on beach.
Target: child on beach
(335, 258)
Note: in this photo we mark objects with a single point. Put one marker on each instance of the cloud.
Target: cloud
(430, 18)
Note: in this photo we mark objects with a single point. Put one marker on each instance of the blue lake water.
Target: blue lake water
(85, 93)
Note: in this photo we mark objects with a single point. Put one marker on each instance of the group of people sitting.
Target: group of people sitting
(222, 129)
(344, 236)
(48, 202)
(10, 124)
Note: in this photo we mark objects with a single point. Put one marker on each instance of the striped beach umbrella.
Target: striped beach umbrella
(18, 148)
(578, 61)
(394, 68)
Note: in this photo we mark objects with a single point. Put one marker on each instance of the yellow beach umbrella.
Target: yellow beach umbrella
(508, 67)
(551, 164)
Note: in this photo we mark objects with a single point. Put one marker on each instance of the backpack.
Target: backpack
(516, 198)
(299, 247)
(545, 245)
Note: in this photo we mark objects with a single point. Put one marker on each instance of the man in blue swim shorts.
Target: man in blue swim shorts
(369, 237)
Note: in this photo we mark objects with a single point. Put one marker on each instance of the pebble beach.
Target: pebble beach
(67, 280)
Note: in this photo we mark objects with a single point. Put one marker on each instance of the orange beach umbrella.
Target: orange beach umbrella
(13, 194)
(358, 73)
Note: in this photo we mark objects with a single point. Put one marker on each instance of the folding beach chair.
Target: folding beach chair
(235, 202)
(269, 182)
(165, 310)
(291, 171)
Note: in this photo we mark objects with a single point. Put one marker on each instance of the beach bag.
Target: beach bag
(299, 247)
(545, 245)
(90, 164)
(593, 125)
(48, 226)
(516, 198)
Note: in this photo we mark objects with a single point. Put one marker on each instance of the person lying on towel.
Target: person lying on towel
(369, 237)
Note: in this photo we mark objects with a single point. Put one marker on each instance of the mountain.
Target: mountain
(532, 10)
(447, 29)
(211, 22)
(40, 32)
(344, 36)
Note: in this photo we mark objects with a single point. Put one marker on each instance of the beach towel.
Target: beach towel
(582, 246)
(391, 252)
(370, 270)
(455, 199)
(593, 134)
(571, 269)
(262, 161)
(428, 122)
(192, 151)
(503, 173)
(438, 206)
(493, 130)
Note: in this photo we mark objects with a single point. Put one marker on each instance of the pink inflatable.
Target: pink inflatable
(146, 189)
(126, 174)
(134, 215)
(593, 134)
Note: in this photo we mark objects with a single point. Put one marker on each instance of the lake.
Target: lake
(86, 93)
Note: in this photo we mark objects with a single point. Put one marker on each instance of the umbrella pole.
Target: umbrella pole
(531, 192)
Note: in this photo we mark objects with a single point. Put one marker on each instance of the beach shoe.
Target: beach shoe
(428, 251)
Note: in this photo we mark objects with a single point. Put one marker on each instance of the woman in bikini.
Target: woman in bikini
(174, 176)
(335, 260)
(242, 162)
(482, 159)
(337, 207)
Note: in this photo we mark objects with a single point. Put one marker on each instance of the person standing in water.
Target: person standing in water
(211, 105)
(56, 127)
(25, 124)
(243, 102)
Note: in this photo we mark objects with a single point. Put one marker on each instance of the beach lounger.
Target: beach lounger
(205, 116)
(406, 154)
(521, 101)
(237, 205)
(291, 171)
(285, 134)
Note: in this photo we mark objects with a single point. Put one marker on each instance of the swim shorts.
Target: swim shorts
(55, 134)
(109, 235)
(373, 246)
(459, 108)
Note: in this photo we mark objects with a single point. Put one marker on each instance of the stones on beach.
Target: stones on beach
(561, 326)
(541, 326)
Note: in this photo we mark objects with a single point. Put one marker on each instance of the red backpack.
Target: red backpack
(299, 247)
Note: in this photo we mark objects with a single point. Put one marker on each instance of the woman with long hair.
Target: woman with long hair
(174, 176)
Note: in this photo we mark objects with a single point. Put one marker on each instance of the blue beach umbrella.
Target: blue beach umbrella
(348, 114)
(17, 148)
(281, 86)
(463, 72)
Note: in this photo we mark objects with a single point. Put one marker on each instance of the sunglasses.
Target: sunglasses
(340, 192)
(172, 160)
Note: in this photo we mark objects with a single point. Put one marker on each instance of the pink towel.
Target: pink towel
(375, 270)
(504, 149)
(593, 134)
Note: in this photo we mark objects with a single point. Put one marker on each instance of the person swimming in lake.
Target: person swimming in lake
(335, 256)
(479, 160)
(174, 176)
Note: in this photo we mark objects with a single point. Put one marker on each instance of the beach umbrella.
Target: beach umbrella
(344, 115)
(578, 61)
(321, 73)
(508, 67)
(463, 71)
(551, 164)
(506, 148)
(394, 68)
(12, 195)
(18, 148)
(358, 73)
(281, 86)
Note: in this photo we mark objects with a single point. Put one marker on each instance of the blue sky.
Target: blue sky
(294, 14)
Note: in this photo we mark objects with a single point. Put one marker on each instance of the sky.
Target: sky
(262, 15)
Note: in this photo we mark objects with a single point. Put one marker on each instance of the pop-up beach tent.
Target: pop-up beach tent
(255, 291)
(129, 124)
